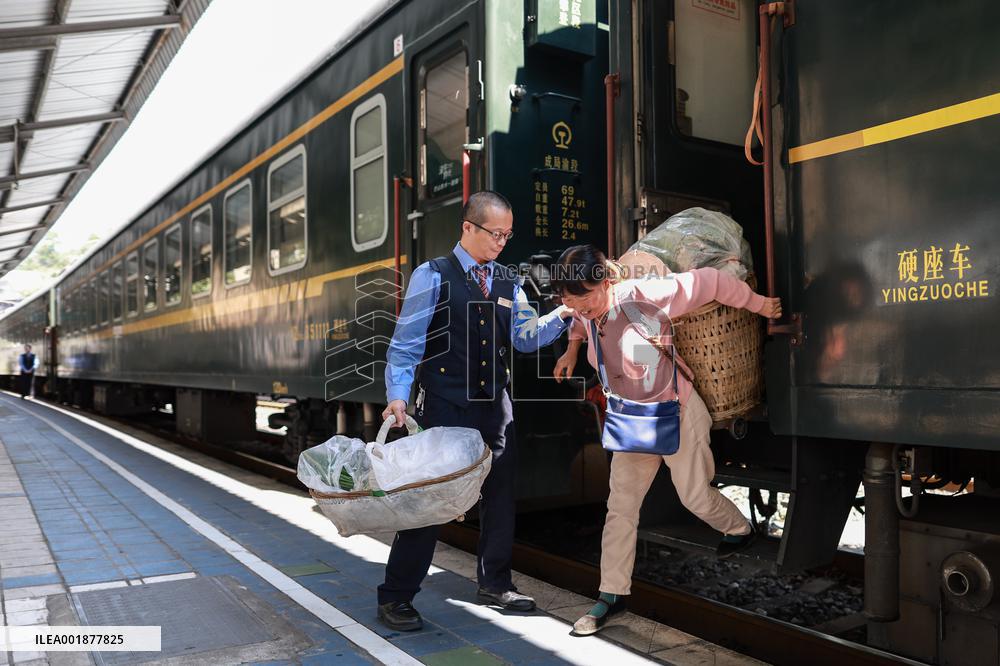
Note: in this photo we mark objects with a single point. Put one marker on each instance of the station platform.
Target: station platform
(107, 526)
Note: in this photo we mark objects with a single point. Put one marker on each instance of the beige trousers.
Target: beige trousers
(691, 469)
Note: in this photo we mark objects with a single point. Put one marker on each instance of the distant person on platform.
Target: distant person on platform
(464, 382)
(28, 363)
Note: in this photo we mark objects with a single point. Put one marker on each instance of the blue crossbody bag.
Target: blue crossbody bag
(639, 427)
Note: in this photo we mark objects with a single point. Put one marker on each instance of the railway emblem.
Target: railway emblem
(562, 135)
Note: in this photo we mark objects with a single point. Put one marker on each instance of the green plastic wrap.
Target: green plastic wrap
(699, 238)
(339, 464)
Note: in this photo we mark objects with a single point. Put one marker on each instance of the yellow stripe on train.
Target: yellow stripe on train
(299, 290)
(956, 114)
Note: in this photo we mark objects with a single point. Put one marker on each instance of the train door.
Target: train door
(693, 113)
(686, 72)
(443, 120)
(51, 337)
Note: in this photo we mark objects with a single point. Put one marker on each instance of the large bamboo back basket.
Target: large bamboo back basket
(723, 346)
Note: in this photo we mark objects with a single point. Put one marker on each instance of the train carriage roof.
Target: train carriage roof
(73, 73)
(377, 9)
(355, 31)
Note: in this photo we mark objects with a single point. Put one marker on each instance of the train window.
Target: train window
(65, 310)
(237, 222)
(150, 269)
(286, 212)
(716, 68)
(81, 307)
(92, 300)
(443, 104)
(132, 285)
(116, 292)
(103, 298)
(75, 303)
(370, 222)
(173, 266)
(84, 302)
(201, 252)
(70, 311)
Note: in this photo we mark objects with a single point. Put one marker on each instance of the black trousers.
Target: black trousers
(27, 378)
(412, 550)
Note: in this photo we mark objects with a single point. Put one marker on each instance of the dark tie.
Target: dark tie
(481, 272)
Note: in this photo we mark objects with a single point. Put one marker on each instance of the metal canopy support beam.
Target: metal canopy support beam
(33, 204)
(7, 182)
(29, 44)
(16, 247)
(25, 130)
(165, 22)
(59, 16)
(9, 232)
(59, 12)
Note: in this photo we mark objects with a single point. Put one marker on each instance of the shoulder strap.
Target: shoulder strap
(602, 373)
(637, 319)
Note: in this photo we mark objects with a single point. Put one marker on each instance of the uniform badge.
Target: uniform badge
(506, 302)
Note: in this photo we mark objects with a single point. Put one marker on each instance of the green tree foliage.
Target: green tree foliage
(50, 258)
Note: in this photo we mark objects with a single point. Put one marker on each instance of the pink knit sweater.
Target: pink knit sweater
(636, 369)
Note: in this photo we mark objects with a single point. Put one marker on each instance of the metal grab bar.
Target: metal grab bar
(467, 150)
(466, 176)
(612, 88)
(577, 102)
(397, 185)
(766, 14)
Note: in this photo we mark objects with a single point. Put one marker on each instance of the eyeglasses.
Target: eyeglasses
(497, 235)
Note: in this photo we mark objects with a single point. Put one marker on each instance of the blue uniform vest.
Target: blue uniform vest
(468, 352)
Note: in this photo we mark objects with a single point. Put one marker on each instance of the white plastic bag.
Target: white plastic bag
(699, 238)
(340, 464)
(403, 508)
(428, 454)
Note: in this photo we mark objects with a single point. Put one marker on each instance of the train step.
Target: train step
(764, 478)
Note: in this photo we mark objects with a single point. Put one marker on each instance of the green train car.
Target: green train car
(275, 266)
(873, 217)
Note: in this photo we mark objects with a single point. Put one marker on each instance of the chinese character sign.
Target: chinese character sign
(936, 274)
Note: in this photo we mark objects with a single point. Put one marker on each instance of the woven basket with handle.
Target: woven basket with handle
(723, 346)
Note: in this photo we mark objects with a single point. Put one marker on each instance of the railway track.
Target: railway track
(746, 632)
(743, 631)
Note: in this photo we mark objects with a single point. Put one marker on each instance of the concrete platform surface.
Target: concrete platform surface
(104, 525)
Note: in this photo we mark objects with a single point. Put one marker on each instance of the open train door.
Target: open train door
(445, 111)
(684, 74)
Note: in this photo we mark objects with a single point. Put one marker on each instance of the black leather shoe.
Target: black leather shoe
(400, 616)
(509, 599)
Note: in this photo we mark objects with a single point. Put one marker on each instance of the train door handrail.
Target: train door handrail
(767, 14)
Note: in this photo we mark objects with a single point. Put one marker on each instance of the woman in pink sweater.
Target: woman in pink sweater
(638, 370)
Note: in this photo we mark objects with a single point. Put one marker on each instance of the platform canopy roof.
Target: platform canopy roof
(73, 74)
